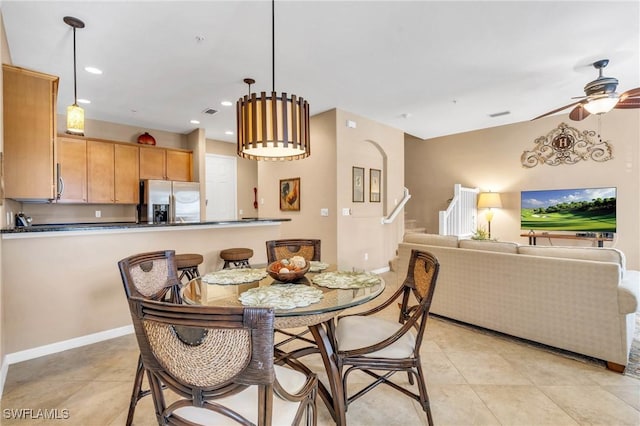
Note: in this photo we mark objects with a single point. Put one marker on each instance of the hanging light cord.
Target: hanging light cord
(273, 45)
(75, 84)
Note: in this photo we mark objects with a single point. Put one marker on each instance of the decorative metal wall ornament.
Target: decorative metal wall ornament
(567, 145)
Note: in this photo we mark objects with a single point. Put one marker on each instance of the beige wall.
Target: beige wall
(363, 241)
(317, 175)
(125, 133)
(325, 180)
(490, 160)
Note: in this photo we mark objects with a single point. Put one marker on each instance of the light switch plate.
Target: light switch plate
(346, 211)
(324, 212)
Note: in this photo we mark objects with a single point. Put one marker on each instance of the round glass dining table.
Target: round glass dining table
(313, 301)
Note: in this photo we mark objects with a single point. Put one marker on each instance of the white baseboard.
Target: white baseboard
(381, 270)
(53, 348)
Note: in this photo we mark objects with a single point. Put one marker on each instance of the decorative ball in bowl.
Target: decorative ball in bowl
(288, 270)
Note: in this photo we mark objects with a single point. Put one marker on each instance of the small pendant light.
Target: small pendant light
(75, 114)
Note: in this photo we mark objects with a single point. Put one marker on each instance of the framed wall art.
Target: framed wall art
(290, 194)
(374, 185)
(358, 184)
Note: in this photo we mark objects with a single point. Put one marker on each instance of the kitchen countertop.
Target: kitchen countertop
(129, 225)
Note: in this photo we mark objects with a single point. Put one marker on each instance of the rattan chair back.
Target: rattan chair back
(285, 249)
(378, 357)
(205, 353)
(151, 275)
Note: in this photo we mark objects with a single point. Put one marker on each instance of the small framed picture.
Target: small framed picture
(358, 184)
(290, 194)
(374, 185)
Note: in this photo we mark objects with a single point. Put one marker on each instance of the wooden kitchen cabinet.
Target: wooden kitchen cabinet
(112, 173)
(100, 172)
(164, 163)
(29, 114)
(71, 165)
(179, 165)
(127, 175)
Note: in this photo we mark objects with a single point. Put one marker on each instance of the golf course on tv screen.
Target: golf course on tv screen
(585, 209)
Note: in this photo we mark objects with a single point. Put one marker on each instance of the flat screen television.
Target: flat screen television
(574, 210)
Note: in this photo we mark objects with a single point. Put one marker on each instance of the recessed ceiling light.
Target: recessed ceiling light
(228, 132)
(194, 122)
(226, 103)
(84, 101)
(93, 70)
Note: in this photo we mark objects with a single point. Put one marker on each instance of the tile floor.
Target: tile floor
(473, 378)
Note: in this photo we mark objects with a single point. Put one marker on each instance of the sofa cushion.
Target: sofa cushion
(488, 245)
(431, 239)
(597, 254)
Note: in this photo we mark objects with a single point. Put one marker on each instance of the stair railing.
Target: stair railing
(460, 218)
(396, 210)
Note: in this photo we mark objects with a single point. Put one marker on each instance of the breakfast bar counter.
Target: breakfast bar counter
(67, 275)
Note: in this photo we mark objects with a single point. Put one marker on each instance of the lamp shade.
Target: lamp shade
(75, 120)
(489, 200)
(602, 105)
(273, 128)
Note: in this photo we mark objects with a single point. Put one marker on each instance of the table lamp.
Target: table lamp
(489, 200)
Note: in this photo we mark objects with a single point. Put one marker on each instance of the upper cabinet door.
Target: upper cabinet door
(179, 165)
(127, 176)
(152, 163)
(72, 170)
(100, 164)
(29, 114)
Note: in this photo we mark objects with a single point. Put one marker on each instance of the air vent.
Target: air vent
(498, 114)
(210, 111)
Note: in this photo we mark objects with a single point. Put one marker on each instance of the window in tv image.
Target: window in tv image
(583, 209)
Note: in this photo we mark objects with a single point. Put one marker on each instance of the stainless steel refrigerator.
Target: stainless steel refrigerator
(165, 201)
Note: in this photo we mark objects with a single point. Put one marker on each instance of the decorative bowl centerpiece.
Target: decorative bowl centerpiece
(288, 270)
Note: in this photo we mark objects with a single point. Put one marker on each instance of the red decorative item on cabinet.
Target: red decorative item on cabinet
(146, 139)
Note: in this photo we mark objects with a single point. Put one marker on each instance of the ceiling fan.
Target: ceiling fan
(601, 97)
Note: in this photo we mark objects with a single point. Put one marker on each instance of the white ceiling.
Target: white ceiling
(429, 68)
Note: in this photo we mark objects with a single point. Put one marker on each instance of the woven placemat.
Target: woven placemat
(234, 276)
(281, 296)
(346, 279)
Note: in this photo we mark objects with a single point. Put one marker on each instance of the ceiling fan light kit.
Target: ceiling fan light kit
(273, 127)
(75, 114)
(600, 97)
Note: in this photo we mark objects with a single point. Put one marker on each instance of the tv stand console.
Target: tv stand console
(534, 235)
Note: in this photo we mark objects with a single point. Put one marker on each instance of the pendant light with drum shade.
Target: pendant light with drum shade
(274, 127)
(75, 114)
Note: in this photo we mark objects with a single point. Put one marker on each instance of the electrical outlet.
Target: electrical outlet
(98, 213)
(366, 256)
(241, 212)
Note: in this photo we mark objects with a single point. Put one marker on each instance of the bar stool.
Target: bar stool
(239, 257)
(187, 265)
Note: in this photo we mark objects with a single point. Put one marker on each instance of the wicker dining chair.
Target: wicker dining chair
(151, 275)
(381, 348)
(284, 249)
(218, 363)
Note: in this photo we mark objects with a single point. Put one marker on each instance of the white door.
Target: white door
(221, 177)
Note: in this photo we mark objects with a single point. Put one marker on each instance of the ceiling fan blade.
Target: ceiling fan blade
(556, 110)
(628, 103)
(631, 93)
(579, 113)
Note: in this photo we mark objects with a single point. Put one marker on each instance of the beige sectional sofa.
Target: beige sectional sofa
(574, 298)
